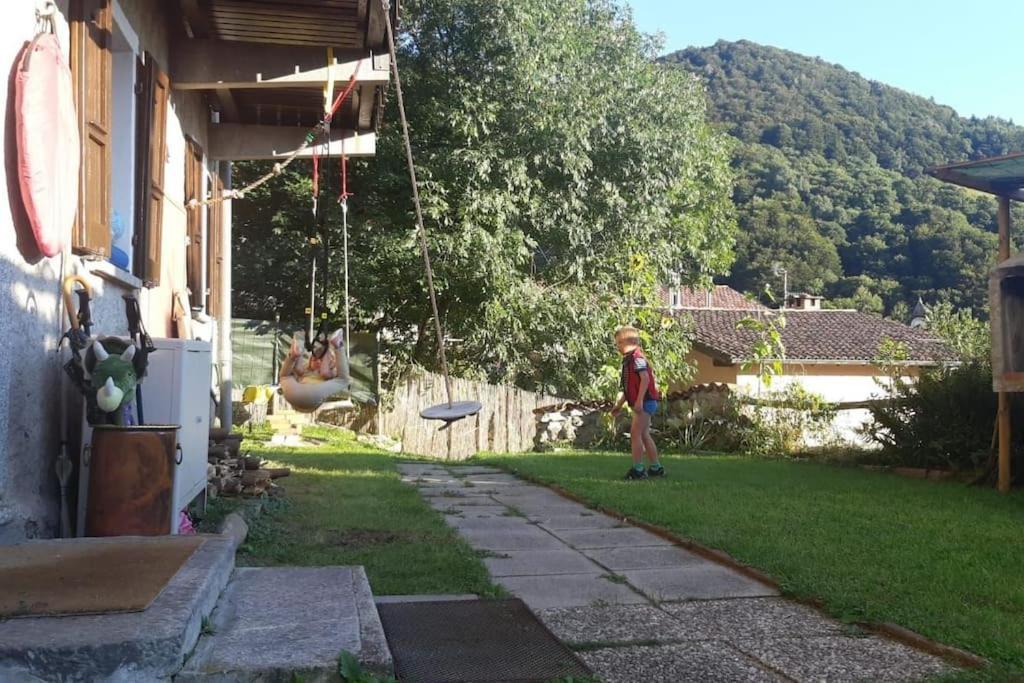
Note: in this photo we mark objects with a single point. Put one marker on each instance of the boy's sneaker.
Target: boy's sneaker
(634, 474)
(656, 471)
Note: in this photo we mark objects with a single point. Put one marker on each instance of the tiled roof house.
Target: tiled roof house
(829, 352)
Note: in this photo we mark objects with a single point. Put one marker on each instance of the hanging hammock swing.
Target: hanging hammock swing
(317, 368)
(308, 381)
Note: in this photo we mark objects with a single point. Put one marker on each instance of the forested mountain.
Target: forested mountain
(831, 184)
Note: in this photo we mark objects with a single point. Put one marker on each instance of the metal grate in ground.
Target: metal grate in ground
(474, 641)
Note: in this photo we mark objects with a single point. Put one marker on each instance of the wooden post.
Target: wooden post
(1005, 433)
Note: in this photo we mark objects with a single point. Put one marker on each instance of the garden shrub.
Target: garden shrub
(943, 420)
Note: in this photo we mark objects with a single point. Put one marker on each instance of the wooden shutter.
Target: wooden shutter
(152, 90)
(215, 261)
(92, 68)
(194, 188)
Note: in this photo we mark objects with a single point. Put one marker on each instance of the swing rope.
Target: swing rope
(343, 200)
(421, 229)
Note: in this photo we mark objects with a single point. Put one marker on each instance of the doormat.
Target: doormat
(476, 640)
(89, 576)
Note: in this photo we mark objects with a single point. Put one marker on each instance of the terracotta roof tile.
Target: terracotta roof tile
(720, 297)
(821, 336)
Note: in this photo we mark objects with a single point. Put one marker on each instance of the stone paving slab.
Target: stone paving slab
(403, 599)
(505, 481)
(755, 618)
(732, 628)
(626, 537)
(540, 563)
(455, 492)
(418, 469)
(445, 502)
(527, 537)
(612, 624)
(560, 522)
(539, 513)
(697, 662)
(695, 582)
(474, 511)
(538, 494)
(421, 482)
(147, 645)
(474, 469)
(649, 557)
(488, 523)
(569, 590)
(838, 659)
(314, 613)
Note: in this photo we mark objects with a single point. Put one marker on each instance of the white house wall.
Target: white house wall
(30, 314)
(834, 383)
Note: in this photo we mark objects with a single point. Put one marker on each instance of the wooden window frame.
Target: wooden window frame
(91, 28)
(153, 93)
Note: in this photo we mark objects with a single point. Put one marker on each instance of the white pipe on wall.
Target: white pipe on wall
(224, 321)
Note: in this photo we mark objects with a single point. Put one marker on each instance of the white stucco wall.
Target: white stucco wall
(30, 312)
(834, 383)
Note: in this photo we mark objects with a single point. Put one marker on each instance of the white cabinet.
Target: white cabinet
(176, 391)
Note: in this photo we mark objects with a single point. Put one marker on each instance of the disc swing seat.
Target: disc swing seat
(452, 411)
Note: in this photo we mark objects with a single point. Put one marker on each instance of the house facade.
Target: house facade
(832, 353)
(167, 95)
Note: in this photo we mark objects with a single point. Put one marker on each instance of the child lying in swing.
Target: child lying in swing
(307, 380)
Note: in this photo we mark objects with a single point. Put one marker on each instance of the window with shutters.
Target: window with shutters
(150, 160)
(91, 63)
(121, 97)
(214, 258)
(195, 186)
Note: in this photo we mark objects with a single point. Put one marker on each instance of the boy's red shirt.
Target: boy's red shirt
(634, 365)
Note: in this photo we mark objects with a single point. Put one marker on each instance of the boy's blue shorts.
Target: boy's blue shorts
(650, 407)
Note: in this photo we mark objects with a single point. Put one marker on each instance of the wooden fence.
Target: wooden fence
(506, 424)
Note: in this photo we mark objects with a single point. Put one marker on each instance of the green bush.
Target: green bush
(781, 422)
(943, 420)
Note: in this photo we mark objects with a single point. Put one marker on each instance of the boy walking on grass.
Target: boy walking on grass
(640, 390)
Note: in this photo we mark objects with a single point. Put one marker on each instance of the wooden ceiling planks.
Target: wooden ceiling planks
(340, 24)
(333, 23)
(295, 107)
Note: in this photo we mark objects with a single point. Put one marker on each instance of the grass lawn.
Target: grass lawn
(939, 558)
(345, 505)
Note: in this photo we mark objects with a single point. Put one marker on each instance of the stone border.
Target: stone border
(898, 633)
(234, 528)
(914, 639)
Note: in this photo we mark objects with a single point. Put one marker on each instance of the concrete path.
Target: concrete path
(638, 608)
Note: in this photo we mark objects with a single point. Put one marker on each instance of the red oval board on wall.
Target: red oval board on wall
(48, 142)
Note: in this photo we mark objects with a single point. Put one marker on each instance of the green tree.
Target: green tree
(969, 338)
(562, 171)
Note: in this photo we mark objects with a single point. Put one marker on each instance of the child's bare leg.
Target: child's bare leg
(649, 446)
(641, 424)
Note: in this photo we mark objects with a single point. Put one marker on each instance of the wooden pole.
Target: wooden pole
(1005, 434)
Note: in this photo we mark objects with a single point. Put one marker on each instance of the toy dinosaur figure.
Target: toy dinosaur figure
(114, 370)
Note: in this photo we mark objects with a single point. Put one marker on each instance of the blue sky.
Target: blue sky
(969, 55)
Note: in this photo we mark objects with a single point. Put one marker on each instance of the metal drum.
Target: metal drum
(131, 480)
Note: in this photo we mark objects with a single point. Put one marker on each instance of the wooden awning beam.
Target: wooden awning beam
(220, 65)
(951, 175)
(241, 142)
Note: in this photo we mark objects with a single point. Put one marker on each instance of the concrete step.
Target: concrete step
(136, 646)
(280, 623)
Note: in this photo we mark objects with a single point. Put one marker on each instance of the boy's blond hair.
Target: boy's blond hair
(627, 333)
